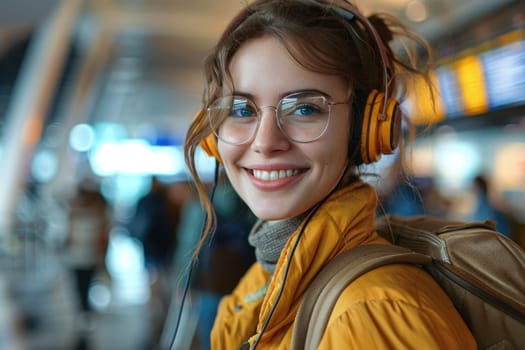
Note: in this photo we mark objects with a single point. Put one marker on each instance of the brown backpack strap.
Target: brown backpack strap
(322, 294)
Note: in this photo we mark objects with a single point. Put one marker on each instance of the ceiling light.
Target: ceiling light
(416, 11)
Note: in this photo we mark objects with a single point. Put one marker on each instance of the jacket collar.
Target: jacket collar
(344, 221)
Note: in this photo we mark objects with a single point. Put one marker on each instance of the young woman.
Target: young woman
(294, 103)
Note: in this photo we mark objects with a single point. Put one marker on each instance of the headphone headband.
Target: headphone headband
(350, 12)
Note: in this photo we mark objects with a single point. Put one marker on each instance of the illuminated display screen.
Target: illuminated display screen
(480, 82)
(472, 85)
(449, 91)
(505, 74)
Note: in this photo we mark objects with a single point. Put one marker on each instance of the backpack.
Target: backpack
(481, 270)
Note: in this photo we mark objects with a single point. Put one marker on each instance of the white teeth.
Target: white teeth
(274, 174)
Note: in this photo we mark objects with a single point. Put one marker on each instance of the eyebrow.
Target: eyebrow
(281, 96)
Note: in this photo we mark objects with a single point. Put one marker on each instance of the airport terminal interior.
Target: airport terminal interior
(95, 100)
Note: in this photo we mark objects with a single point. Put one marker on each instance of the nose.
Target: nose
(268, 137)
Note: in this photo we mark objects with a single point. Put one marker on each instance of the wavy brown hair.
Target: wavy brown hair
(321, 40)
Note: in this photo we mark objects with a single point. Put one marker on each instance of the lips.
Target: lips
(273, 175)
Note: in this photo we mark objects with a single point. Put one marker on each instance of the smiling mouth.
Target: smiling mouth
(274, 174)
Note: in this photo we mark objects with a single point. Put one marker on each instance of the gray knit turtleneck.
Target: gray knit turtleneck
(270, 238)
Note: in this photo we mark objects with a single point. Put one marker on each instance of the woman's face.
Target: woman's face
(276, 177)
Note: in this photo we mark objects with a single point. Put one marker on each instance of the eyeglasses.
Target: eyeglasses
(302, 117)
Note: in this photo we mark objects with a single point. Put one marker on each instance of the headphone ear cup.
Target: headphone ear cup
(369, 143)
(390, 129)
(380, 132)
(209, 144)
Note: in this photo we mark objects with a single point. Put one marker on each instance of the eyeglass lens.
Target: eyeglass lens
(302, 117)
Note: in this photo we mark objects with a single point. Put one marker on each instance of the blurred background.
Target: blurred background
(97, 215)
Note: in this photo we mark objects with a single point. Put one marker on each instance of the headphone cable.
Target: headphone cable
(190, 269)
(286, 270)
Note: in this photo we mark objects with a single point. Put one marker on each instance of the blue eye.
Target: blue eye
(242, 109)
(306, 110)
(242, 112)
(303, 106)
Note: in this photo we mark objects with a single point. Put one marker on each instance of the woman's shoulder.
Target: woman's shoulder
(405, 283)
(400, 303)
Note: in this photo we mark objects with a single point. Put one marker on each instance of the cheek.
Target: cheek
(230, 155)
(338, 139)
(227, 152)
(330, 157)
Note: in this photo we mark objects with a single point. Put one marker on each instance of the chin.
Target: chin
(275, 213)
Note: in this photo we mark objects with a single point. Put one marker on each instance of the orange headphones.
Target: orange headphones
(209, 145)
(380, 127)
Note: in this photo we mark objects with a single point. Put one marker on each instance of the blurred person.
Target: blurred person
(403, 199)
(154, 224)
(406, 195)
(155, 227)
(86, 244)
(485, 209)
(224, 259)
(299, 94)
(413, 196)
(399, 194)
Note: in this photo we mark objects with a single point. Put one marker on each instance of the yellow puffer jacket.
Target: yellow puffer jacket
(392, 307)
